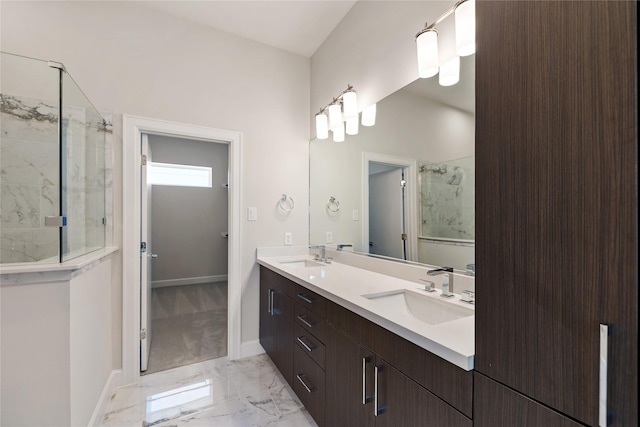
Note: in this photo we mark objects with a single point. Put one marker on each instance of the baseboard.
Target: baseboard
(251, 348)
(189, 281)
(113, 382)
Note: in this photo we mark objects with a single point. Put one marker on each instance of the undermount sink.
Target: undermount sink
(425, 308)
(302, 263)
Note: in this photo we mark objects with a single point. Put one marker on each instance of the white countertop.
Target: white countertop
(345, 285)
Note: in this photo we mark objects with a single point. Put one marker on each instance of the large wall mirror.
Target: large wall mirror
(404, 188)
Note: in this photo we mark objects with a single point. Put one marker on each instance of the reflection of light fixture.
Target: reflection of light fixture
(450, 72)
(343, 110)
(338, 133)
(431, 58)
(322, 126)
(369, 115)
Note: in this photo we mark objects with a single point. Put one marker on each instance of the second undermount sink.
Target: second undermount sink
(425, 308)
(302, 263)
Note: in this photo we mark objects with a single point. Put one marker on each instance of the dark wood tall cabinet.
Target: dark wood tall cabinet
(556, 211)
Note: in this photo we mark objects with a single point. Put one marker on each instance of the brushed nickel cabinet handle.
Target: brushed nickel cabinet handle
(302, 340)
(301, 318)
(301, 378)
(377, 410)
(365, 398)
(602, 395)
(306, 299)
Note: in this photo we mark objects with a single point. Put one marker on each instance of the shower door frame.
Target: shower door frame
(133, 128)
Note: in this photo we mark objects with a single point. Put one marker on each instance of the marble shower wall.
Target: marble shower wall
(447, 197)
(29, 179)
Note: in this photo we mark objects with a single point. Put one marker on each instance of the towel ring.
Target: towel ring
(333, 205)
(286, 204)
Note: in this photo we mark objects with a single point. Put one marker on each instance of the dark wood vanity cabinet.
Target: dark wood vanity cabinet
(340, 364)
(276, 320)
(557, 208)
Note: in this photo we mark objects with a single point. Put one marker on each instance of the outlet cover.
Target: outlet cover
(329, 237)
(288, 239)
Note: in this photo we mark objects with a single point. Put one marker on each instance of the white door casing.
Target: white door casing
(133, 128)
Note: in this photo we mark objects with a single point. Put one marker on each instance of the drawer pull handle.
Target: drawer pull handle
(270, 309)
(602, 395)
(304, 298)
(302, 340)
(305, 321)
(301, 378)
(365, 399)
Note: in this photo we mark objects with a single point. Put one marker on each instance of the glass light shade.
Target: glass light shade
(352, 126)
(322, 126)
(428, 63)
(338, 133)
(349, 105)
(369, 115)
(450, 72)
(465, 17)
(335, 116)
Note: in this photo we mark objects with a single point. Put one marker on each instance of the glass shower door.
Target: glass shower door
(29, 160)
(83, 173)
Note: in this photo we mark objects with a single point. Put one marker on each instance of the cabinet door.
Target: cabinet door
(282, 318)
(266, 322)
(349, 382)
(556, 191)
(402, 402)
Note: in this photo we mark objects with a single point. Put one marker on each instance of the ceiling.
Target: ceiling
(298, 26)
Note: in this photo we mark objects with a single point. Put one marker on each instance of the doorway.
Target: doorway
(184, 220)
(394, 209)
(134, 128)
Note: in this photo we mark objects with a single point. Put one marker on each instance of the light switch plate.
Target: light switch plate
(252, 214)
(288, 239)
(329, 237)
(355, 215)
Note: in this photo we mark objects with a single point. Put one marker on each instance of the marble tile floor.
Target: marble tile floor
(248, 392)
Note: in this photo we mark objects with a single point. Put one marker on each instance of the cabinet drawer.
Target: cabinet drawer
(309, 384)
(311, 300)
(311, 322)
(310, 345)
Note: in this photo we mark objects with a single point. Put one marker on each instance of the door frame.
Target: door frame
(411, 195)
(133, 128)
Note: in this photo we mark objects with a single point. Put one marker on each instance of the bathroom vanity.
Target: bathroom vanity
(357, 348)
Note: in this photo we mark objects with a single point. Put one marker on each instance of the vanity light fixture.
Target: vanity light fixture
(431, 59)
(341, 112)
(369, 115)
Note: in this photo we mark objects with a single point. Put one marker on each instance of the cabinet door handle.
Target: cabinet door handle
(306, 299)
(602, 398)
(302, 340)
(271, 293)
(301, 317)
(301, 378)
(377, 410)
(365, 399)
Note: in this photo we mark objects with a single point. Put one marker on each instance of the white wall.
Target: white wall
(131, 59)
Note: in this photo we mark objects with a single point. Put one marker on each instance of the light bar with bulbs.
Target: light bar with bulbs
(341, 116)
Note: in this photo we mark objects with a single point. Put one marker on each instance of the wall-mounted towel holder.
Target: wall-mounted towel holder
(286, 204)
(333, 205)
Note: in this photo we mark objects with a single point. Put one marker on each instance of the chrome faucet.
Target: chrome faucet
(322, 256)
(447, 283)
(343, 245)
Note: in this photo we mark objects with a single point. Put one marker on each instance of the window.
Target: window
(179, 175)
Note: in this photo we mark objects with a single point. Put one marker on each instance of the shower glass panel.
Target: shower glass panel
(83, 172)
(49, 168)
(29, 160)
